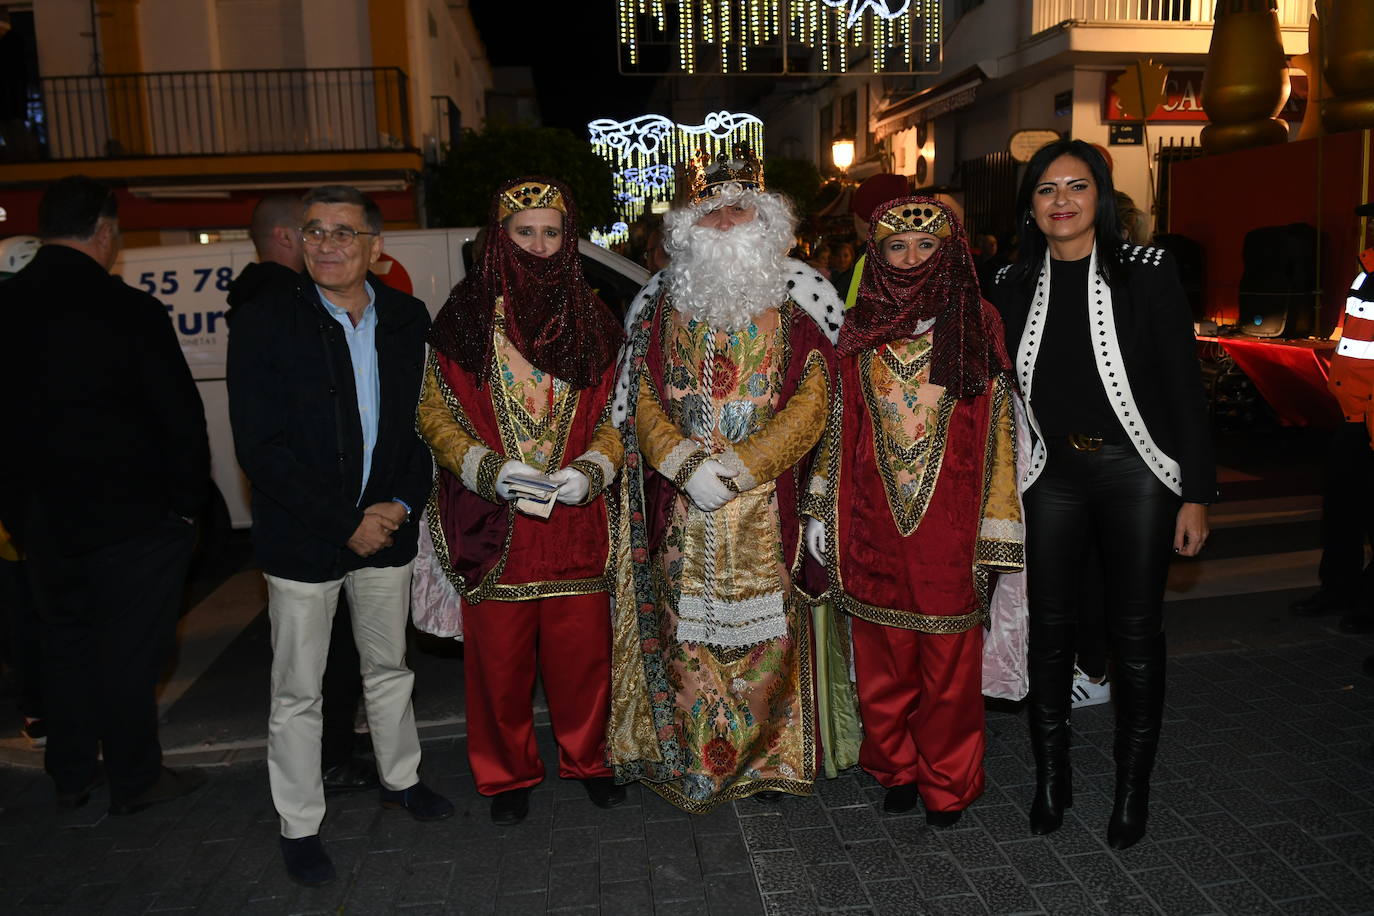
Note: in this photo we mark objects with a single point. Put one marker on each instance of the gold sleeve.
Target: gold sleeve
(455, 448)
(1001, 536)
(662, 443)
(791, 433)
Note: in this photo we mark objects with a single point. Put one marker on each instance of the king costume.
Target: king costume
(915, 484)
(522, 369)
(726, 386)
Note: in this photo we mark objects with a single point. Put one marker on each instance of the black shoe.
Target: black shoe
(1050, 664)
(1319, 604)
(1129, 815)
(306, 861)
(901, 799)
(603, 792)
(1053, 796)
(943, 819)
(1359, 623)
(70, 801)
(767, 797)
(423, 803)
(171, 784)
(356, 775)
(511, 807)
(1140, 669)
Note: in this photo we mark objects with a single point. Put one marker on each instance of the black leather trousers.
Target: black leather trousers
(1107, 497)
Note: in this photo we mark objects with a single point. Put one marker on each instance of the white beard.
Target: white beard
(726, 278)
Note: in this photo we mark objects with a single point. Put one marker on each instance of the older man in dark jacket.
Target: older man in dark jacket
(105, 464)
(324, 376)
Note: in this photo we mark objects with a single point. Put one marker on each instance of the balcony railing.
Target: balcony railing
(1046, 14)
(221, 112)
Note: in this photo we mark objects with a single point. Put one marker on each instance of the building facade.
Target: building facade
(195, 108)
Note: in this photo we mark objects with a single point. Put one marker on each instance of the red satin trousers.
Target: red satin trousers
(567, 641)
(920, 696)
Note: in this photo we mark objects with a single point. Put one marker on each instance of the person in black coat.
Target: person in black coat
(106, 464)
(324, 375)
(276, 234)
(1101, 339)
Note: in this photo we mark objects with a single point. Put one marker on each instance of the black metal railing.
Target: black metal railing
(222, 112)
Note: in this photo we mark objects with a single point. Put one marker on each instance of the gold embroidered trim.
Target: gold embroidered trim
(689, 467)
(528, 591)
(670, 793)
(904, 371)
(451, 401)
(1005, 555)
(562, 414)
(910, 620)
(991, 554)
(595, 477)
(487, 472)
(906, 512)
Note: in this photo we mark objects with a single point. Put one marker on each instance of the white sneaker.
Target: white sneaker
(1087, 693)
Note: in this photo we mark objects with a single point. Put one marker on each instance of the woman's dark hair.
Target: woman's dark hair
(1105, 228)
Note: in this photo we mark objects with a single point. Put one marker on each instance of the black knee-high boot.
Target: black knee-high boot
(1051, 676)
(1139, 692)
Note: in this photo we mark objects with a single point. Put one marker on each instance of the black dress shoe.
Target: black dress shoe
(901, 799)
(70, 801)
(510, 807)
(171, 784)
(1361, 623)
(306, 861)
(1318, 604)
(943, 819)
(423, 803)
(356, 775)
(603, 792)
(767, 797)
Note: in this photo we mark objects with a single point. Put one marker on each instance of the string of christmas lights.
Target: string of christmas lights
(644, 154)
(784, 36)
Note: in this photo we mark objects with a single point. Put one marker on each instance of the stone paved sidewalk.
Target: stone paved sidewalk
(1263, 803)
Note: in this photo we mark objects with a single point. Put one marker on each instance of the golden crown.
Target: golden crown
(530, 195)
(914, 216)
(706, 173)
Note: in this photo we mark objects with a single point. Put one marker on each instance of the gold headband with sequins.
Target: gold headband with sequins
(913, 216)
(531, 195)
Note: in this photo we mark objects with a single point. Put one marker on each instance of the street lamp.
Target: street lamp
(842, 153)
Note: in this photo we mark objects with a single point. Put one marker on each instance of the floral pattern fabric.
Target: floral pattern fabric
(533, 398)
(907, 411)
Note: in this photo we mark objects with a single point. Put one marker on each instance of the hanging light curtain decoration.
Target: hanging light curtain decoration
(775, 37)
(644, 153)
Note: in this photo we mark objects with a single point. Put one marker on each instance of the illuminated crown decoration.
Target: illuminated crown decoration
(531, 195)
(706, 174)
(913, 217)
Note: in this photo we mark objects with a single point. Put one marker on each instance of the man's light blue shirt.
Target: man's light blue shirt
(362, 350)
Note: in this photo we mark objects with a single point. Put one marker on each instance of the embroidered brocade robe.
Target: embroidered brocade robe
(487, 548)
(736, 642)
(918, 492)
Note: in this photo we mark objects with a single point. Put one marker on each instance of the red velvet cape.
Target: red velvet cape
(573, 543)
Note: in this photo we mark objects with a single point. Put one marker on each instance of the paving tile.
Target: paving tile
(1173, 891)
(1292, 844)
(856, 823)
(764, 833)
(1064, 900)
(526, 872)
(1357, 852)
(623, 860)
(1340, 885)
(627, 897)
(1239, 898)
(842, 792)
(1102, 875)
(1002, 890)
(804, 812)
(819, 845)
(876, 860)
(790, 904)
(673, 841)
(724, 819)
(573, 885)
(574, 844)
(894, 898)
(693, 907)
(836, 887)
(1036, 862)
(676, 879)
(962, 905)
(723, 855)
(524, 904)
(1200, 860)
(779, 870)
(912, 836)
(1310, 906)
(1267, 871)
(938, 876)
(732, 895)
(972, 848)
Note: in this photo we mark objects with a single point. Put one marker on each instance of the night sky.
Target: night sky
(572, 48)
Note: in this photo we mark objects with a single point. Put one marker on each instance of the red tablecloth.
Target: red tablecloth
(1289, 374)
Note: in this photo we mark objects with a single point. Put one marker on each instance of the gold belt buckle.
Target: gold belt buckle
(1085, 443)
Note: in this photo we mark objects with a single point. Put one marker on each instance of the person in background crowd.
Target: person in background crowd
(515, 395)
(106, 464)
(323, 376)
(727, 389)
(276, 234)
(915, 488)
(1103, 344)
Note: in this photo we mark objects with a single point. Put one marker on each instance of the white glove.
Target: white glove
(513, 468)
(573, 485)
(815, 539)
(705, 487)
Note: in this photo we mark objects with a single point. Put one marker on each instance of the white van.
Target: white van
(192, 281)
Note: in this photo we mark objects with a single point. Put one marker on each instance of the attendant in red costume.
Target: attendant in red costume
(517, 387)
(914, 506)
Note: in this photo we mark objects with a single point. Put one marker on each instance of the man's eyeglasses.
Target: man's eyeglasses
(342, 236)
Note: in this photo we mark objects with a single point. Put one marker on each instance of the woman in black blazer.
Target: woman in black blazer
(1102, 343)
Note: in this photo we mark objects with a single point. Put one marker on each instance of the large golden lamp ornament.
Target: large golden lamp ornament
(1348, 49)
(1246, 82)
